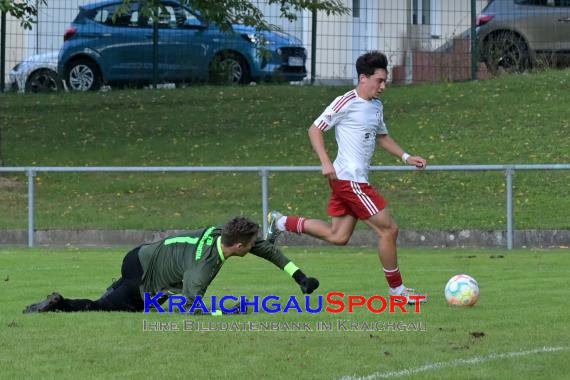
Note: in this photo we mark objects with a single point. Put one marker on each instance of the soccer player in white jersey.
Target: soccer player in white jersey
(358, 120)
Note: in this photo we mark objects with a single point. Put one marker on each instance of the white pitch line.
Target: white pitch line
(439, 365)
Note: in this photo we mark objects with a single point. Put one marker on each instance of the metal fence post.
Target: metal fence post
(155, 48)
(2, 51)
(313, 45)
(264, 197)
(509, 173)
(474, 55)
(31, 175)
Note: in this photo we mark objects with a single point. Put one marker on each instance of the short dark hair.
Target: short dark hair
(239, 230)
(371, 61)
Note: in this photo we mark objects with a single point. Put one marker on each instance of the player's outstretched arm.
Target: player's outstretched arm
(270, 252)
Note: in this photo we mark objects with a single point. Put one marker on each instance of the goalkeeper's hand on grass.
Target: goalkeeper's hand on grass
(239, 311)
(307, 284)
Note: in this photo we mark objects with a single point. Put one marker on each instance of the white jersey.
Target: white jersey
(357, 123)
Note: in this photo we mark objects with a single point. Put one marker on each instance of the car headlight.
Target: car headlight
(256, 39)
(251, 38)
(17, 67)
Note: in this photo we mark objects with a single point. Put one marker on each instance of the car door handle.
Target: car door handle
(566, 19)
(106, 35)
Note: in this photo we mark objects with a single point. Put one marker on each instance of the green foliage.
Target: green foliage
(23, 10)
(226, 12)
(487, 122)
(523, 307)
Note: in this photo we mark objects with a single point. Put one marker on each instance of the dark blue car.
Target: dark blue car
(105, 46)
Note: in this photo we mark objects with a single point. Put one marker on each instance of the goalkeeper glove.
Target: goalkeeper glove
(307, 284)
(238, 307)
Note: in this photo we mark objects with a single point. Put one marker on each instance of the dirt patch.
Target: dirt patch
(477, 334)
(10, 183)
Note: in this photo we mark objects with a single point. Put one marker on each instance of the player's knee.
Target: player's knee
(393, 231)
(395, 228)
(389, 232)
(340, 240)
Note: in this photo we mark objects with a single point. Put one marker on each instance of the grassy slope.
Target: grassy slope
(515, 119)
(523, 306)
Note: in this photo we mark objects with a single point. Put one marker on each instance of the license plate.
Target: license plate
(295, 61)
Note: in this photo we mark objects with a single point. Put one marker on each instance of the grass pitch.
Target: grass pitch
(518, 329)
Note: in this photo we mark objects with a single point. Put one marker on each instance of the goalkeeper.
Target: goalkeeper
(184, 264)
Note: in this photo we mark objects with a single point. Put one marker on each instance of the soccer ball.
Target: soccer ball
(462, 290)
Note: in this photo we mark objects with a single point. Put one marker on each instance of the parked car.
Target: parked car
(517, 34)
(103, 46)
(37, 73)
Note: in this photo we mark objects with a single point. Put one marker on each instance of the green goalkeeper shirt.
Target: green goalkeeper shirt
(187, 263)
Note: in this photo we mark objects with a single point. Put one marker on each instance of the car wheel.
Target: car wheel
(83, 75)
(229, 69)
(42, 81)
(505, 51)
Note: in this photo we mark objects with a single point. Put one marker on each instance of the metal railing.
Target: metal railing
(264, 171)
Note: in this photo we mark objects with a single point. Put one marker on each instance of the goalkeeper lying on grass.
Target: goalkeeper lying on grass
(184, 264)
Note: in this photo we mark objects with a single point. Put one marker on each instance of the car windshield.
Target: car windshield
(169, 16)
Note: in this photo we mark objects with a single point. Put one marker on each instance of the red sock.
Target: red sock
(295, 224)
(394, 277)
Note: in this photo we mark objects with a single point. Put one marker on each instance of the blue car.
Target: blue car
(105, 46)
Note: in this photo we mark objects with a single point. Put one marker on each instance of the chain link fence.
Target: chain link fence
(425, 40)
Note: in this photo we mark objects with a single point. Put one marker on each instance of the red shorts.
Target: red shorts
(352, 198)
